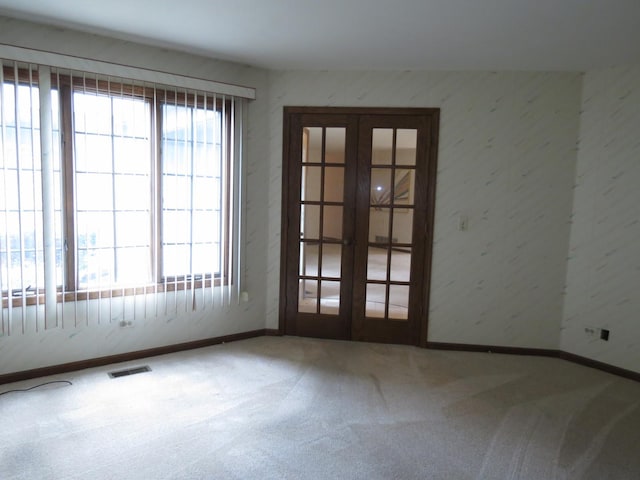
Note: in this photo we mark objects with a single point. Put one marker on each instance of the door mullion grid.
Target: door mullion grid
(355, 266)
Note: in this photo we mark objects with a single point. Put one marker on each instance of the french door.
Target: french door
(357, 216)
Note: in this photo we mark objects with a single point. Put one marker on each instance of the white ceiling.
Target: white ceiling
(573, 35)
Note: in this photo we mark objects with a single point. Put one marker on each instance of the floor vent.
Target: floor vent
(129, 371)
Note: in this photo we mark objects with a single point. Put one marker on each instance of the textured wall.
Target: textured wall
(92, 339)
(506, 160)
(603, 278)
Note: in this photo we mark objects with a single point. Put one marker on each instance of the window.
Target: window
(142, 185)
(113, 165)
(192, 190)
(21, 241)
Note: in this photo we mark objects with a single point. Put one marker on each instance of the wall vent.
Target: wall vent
(129, 371)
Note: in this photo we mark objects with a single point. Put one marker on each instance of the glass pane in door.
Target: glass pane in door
(379, 225)
(398, 302)
(322, 200)
(310, 222)
(331, 260)
(406, 146)
(311, 183)
(330, 297)
(332, 222)
(308, 259)
(376, 300)
(335, 143)
(382, 143)
(312, 145)
(402, 225)
(308, 296)
(377, 260)
(334, 184)
(404, 187)
(400, 264)
(380, 186)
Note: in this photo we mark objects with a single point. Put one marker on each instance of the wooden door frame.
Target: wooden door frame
(432, 156)
(339, 325)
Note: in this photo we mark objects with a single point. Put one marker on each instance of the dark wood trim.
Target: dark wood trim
(539, 352)
(152, 352)
(434, 128)
(126, 357)
(468, 347)
(605, 367)
(284, 222)
(360, 110)
(273, 332)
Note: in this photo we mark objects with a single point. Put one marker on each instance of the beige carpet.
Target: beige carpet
(293, 408)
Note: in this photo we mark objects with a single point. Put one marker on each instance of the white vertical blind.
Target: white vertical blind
(5, 279)
(48, 202)
(148, 182)
(28, 177)
(239, 179)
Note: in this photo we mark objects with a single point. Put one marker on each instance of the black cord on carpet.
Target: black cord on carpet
(36, 386)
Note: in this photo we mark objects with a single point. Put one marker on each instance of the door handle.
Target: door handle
(347, 242)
